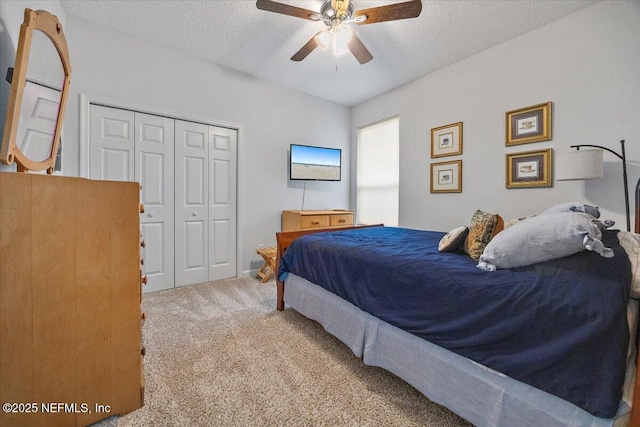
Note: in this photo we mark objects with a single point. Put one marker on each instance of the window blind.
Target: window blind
(378, 176)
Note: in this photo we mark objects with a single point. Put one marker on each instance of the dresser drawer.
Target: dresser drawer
(314, 221)
(341, 220)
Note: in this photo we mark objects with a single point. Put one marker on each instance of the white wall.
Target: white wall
(587, 63)
(113, 66)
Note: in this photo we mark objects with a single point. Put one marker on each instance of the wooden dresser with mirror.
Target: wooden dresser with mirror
(70, 267)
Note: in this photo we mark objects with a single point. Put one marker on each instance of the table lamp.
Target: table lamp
(587, 164)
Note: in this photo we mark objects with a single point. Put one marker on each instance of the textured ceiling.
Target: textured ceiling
(234, 33)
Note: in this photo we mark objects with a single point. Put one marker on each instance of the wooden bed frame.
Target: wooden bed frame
(284, 240)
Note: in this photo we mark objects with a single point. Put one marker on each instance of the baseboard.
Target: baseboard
(250, 273)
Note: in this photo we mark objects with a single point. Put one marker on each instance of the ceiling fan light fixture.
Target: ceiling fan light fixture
(336, 15)
(340, 37)
(323, 39)
(335, 39)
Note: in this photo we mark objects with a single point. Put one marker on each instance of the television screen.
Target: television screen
(314, 163)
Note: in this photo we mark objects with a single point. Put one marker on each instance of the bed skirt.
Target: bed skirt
(478, 394)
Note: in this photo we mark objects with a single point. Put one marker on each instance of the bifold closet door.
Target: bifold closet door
(205, 203)
(129, 146)
(192, 201)
(189, 187)
(154, 169)
(223, 152)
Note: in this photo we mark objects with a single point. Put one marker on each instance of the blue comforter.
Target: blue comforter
(560, 326)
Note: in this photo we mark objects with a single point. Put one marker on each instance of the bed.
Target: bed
(472, 340)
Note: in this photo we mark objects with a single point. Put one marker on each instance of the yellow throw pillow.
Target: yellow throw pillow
(484, 226)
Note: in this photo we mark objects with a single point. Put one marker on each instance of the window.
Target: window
(377, 178)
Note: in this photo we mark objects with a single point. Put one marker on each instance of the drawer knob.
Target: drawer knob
(143, 352)
(141, 208)
(144, 280)
(342, 220)
(143, 244)
(316, 222)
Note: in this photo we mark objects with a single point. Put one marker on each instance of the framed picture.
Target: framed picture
(446, 177)
(530, 124)
(446, 140)
(529, 169)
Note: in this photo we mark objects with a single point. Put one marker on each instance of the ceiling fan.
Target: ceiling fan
(336, 14)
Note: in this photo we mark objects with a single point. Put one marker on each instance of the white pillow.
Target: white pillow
(543, 238)
(594, 211)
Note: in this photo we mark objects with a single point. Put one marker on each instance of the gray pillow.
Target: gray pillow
(543, 238)
(574, 207)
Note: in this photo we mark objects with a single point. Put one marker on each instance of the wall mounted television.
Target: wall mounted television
(309, 163)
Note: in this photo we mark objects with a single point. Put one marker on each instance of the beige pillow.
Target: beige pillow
(453, 240)
(484, 226)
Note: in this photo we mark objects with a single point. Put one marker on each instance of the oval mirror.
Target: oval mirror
(38, 94)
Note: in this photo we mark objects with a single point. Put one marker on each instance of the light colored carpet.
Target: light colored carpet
(219, 354)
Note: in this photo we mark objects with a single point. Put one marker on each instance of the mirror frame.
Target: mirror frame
(39, 20)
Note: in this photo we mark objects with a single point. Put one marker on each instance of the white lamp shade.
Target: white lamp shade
(579, 165)
(337, 39)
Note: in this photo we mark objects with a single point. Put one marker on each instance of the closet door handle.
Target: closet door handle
(150, 214)
(194, 213)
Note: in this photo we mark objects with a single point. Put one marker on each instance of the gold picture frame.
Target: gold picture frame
(529, 124)
(529, 169)
(446, 140)
(446, 177)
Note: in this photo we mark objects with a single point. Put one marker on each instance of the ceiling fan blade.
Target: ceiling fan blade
(392, 12)
(285, 9)
(359, 50)
(306, 49)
